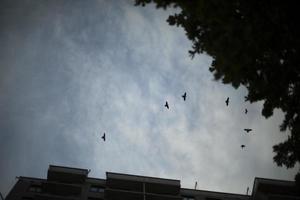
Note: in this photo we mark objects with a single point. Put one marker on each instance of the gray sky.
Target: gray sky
(71, 70)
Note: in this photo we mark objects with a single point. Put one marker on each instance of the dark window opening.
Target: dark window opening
(96, 188)
(35, 188)
(188, 198)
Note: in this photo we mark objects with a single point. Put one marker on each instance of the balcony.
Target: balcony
(61, 189)
(52, 197)
(162, 197)
(142, 184)
(159, 188)
(117, 194)
(66, 174)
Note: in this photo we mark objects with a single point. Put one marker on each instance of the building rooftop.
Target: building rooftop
(74, 184)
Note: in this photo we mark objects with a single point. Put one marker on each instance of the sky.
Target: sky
(72, 70)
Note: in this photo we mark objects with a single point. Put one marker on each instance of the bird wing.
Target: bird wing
(167, 105)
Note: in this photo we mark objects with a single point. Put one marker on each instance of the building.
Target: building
(265, 189)
(65, 183)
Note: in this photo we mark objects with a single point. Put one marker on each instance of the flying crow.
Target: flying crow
(184, 96)
(103, 137)
(246, 111)
(167, 105)
(227, 101)
(247, 130)
(243, 146)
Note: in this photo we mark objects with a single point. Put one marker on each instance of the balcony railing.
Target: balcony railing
(117, 194)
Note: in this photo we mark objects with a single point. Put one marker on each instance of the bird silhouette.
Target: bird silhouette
(184, 96)
(246, 111)
(227, 101)
(247, 130)
(167, 105)
(103, 137)
(243, 146)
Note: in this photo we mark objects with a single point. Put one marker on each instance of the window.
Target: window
(188, 198)
(27, 198)
(96, 188)
(35, 188)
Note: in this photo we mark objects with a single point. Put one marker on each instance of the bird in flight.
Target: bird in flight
(247, 130)
(167, 105)
(184, 96)
(246, 111)
(103, 137)
(227, 101)
(243, 146)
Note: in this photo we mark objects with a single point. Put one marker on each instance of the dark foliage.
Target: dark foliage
(252, 43)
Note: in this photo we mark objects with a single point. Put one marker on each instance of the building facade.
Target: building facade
(65, 183)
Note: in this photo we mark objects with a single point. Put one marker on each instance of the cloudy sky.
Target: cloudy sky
(71, 70)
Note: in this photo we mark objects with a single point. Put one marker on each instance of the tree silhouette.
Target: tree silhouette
(254, 44)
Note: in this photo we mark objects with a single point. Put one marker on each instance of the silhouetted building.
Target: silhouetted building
(65, 183)
(269, 189)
